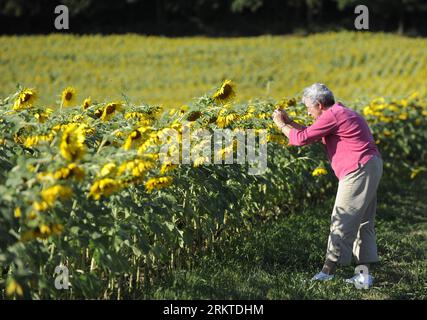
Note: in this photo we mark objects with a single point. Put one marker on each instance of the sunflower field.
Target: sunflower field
(171, 71)
(82, 184)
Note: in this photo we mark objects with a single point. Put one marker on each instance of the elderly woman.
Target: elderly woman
(357, 163)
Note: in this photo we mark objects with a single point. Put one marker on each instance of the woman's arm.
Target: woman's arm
(285, 124)
(322, 127)
(286, 129)
(296, 125)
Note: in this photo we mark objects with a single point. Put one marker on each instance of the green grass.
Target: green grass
(277, 259)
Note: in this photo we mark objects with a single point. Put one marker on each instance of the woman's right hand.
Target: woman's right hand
(283, 115)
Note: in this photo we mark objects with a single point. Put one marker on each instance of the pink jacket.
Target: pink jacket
(346, 135)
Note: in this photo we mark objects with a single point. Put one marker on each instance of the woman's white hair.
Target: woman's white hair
(318, 92)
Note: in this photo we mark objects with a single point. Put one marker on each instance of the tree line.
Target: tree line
(212, 17)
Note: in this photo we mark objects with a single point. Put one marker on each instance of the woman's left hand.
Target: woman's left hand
(279, 117)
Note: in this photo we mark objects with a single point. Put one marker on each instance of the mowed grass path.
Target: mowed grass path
(172, 71)
(278, 259)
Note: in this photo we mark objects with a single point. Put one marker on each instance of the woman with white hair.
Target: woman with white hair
(358, 166)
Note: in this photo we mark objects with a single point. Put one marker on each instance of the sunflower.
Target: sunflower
(137, 136)
(416, 171)
(71, 171)
(199, 161)
(72, 142)
(13, 288)
(38, 206)
(285, 103)
(68, 96)
(224, 153)
(110, 109)
(55, 192)
(43, 231)
(167, 166)
(57, 228)
(183, 110)
(403, 116)
(225, 120)
(142, 118)
(43, 115)
(86, 103)
(135, 167)
(35, 140)
(276, 138)
(158, 183)
(108, 169)
(17, 212)
(104, 187)
(319, 172)
(25, 99)
(225, 93)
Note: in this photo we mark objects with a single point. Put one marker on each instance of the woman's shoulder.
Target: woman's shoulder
(339, 108)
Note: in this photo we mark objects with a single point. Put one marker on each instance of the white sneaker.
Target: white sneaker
(361, 281)
(321, 276)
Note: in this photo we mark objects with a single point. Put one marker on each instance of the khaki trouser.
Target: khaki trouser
(352, 223)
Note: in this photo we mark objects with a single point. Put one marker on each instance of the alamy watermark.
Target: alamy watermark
(362, 281)
(362, 20)
(62, 21)
(62, 281)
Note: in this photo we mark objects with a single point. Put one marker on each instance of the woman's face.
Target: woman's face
(314, 109)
